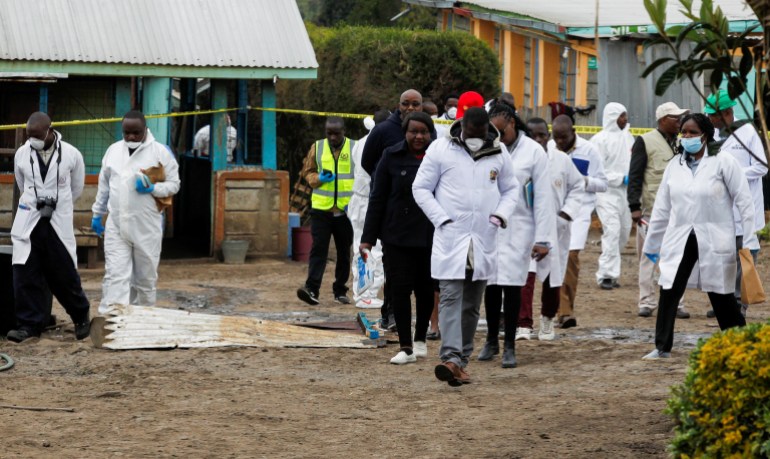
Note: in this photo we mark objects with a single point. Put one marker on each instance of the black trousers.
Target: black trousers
(509, 297)
(324, 226)
(408, 270)
(725, 306)
(48, 262)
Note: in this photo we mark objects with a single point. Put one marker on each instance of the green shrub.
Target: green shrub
(364, 69)
(723, 408)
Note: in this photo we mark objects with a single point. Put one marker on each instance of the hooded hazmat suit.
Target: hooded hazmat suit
(134, 229)
(357, 206)
(614, 145)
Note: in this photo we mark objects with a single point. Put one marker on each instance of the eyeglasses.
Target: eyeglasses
(406, 103)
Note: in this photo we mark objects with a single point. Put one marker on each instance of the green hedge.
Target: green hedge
(363, 69)
(723, 408)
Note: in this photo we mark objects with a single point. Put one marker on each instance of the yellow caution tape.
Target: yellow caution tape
(7, 127)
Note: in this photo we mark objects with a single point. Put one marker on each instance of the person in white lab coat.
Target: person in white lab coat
(589, 163)
(568, 188)
(692, 231)
(614, 143)
(50, 175)
(740, 139)
(357, 206)
(134, 229)
(467, 188)
(525, 238)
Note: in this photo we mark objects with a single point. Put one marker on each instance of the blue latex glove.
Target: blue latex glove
(625, 180)
(345, 209)
(653, 257)
(143, 185)
(325, 177)
(97, 226)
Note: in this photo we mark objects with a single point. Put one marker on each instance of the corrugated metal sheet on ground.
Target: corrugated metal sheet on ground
(581, 13)
(200, 33)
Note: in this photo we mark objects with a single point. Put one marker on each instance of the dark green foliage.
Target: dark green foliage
(364, 69)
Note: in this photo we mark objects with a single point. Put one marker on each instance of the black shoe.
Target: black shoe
(710, 314)
(615, 284)
(433, 335)
(490, 349)
(682, 314)
(644, 311)
(82, 330)
(509, 357)
(307, 296)
(606, 284)
(341, 299)
(22, 334)
(567, 322)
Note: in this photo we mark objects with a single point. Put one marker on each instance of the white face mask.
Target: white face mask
(135, 145)
(433, 117)
(451, 113)
(474, 145)
(36, 144)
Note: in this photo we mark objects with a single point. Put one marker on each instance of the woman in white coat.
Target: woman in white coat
(692, 230)
(525, 238)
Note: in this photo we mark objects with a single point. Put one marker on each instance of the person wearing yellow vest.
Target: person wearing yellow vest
(328, 168)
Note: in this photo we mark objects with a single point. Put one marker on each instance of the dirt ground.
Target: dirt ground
(585, 395)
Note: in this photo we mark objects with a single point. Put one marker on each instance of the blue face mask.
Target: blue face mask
(691, 145)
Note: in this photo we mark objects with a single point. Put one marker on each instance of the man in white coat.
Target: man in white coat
(134, 229)
(467, 188)
(614, 143)
(589, 163)
(740, 139)
(50, 175)
(526, 237)
(357, 206)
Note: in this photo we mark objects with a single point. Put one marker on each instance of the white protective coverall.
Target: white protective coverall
(568, 188)
(701, 202)
(71, 177)
(450, 185)
(203, 137)
(595, 182)
(357, 206)
(614, 146)
(754, 171)
(134, 229)
(530, 222)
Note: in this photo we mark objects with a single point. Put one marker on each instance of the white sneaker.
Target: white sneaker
(523, 333)
(420, 349)
(657, 355)
(402, 358)
(546, 332)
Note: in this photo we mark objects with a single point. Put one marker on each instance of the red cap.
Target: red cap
(468, 100)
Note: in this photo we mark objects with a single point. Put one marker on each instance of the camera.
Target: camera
(46, 205)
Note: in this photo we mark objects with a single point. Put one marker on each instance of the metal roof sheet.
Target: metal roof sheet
(581, 13)
(199, 33)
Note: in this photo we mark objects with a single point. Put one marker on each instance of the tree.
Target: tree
(716, 51)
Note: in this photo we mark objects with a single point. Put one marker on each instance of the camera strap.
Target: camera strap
(58, 165)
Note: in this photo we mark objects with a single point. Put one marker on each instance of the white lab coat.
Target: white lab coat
(754, 171)
(450, 185)
(596, 183)
(568, 188)
(357, 206)
(614, 146)
(528, 224)
(72, 174)
(702, 202)
(134, 229)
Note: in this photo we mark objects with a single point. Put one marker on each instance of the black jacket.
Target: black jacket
(392, 215)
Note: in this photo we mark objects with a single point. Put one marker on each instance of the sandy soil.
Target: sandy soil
(587, 394)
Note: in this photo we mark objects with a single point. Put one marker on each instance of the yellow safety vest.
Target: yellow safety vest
(337, 193)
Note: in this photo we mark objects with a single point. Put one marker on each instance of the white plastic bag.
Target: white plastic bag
(365, 271)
